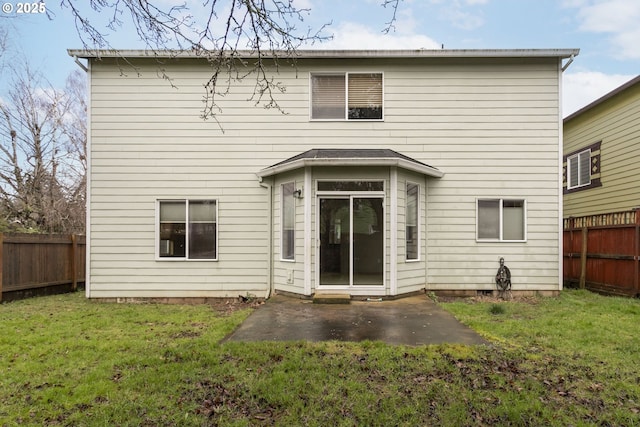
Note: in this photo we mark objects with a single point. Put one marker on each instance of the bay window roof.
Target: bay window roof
(350, 157)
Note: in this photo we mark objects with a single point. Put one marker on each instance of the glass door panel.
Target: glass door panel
(368, 241)
(335, 242)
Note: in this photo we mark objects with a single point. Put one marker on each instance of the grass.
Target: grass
(571, 360)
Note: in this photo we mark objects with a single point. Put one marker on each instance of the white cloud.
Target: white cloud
(618, 18)
(350, 35)
(584, 87)
(463, 14)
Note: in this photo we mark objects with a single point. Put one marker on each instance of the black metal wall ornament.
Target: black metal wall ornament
(503, 280)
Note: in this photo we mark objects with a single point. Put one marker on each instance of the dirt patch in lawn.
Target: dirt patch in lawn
(228, 306)
(490, 299)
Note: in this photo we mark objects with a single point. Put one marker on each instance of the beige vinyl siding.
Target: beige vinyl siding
(491, 125)
(411, 274)
(616, 123)
(288, 275)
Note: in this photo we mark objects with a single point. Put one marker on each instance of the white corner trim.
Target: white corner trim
(308, 228)
(393, 233)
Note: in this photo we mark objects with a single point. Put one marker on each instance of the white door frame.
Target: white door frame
(351, 288)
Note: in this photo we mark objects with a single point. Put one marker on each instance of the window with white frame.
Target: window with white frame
(346, 96)
(288, 221)
(579, 173)
(188, 229)
(412, 221)
(501, 220)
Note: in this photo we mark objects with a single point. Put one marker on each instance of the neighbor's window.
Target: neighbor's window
(288, 221)
(188, 229)
(578, 167)
(411, 218)
(501, 219)
(346, 96)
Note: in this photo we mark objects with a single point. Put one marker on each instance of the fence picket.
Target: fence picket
(31, 263)
(608, 247)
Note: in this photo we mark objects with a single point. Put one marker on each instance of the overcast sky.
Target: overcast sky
(607, 32)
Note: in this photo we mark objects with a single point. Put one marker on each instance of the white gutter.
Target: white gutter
(269, 187)
(376, 161)
(319, 53)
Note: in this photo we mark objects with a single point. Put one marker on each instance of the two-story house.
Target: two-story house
(391, 172)
(601, 193)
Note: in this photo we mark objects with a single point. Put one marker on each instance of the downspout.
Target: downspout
(560, 176)
(269, 187)
(87, 219)
(80, 64)
(569, 61)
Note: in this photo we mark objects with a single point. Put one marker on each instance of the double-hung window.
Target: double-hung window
(346, 96)
(411, 218)
(288, 235)
(501, 220)
(187, 229)
(579, 166)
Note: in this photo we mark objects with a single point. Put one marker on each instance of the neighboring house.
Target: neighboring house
(602, 195)
(391, 172)
(602, 153)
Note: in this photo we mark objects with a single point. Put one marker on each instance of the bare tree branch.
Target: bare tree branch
(43, 147)
(267, 28)
(393, 5)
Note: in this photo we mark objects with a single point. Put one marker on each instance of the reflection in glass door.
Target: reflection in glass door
(351, 241)
(367, 257)
(335, 243)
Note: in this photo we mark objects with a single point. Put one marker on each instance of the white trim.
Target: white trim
(331, 53)
(308, 236)
(186, 207)
(364, 161)
(393, 232)
(351, 288)
(418, 225)
(500, 239)
(345, 74)
(87, 274)
(560, 189)
(577, 157)
(426, 231)
(282, 258)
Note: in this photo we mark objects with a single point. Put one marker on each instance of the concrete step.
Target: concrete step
(327, 298)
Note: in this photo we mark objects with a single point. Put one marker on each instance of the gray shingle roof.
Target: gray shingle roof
(350, 157)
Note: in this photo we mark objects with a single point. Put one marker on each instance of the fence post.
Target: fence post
(583, 258)
(570, 224)
(74, 262)
(1, 262)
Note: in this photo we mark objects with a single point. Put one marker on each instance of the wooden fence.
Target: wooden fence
(32, 264)
(602, 253)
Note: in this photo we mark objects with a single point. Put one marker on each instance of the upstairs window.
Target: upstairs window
(347, 96)
(579, 166)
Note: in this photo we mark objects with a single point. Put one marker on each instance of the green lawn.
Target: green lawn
(572, 360)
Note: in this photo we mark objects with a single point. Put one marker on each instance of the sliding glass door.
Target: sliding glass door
(351, 236)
